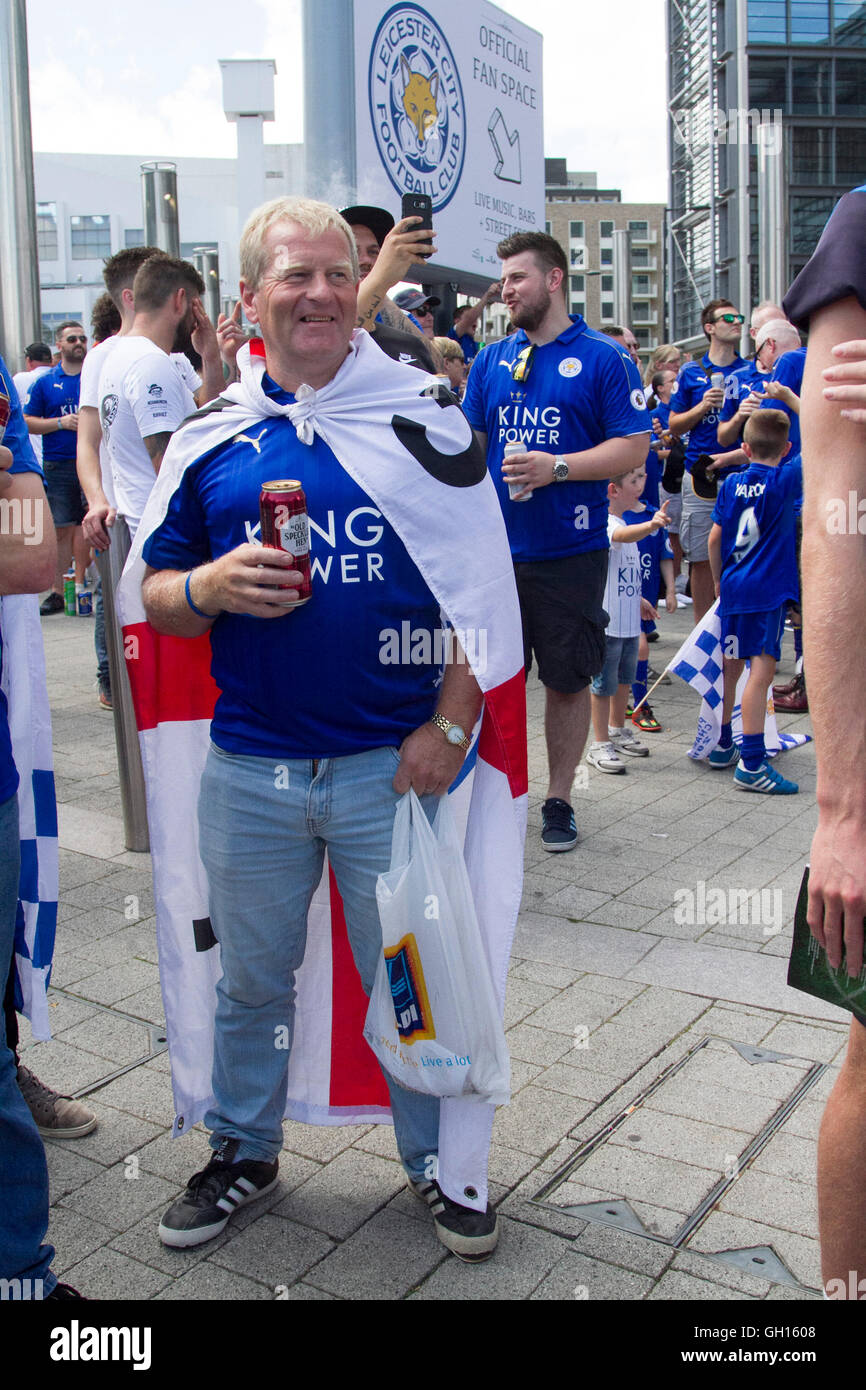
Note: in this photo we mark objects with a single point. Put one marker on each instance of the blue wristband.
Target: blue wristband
(210, 616)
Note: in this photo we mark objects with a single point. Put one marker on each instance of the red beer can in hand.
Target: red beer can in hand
(286, 527)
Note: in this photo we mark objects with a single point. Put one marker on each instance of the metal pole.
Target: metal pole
(621, 277)
(711, 87)
(159, 206)
(772, 219)
(207, 263)
(329, 100)
(20, 315)
(129, 767)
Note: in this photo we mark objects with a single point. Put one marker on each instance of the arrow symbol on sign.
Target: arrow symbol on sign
(507, 148)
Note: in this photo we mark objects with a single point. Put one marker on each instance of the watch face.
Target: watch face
(455, 734)
(560, 470)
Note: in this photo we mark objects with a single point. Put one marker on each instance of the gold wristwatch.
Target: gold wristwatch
(452, 732)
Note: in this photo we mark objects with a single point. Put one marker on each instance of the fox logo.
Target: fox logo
(419, 100)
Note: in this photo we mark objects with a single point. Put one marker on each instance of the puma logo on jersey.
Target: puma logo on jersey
(248, 439)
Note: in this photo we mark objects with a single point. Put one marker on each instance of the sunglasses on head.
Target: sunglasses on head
(523, 366)
(729, 318)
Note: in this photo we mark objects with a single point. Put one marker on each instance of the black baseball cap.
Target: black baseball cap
(38, 352)
(378, 220)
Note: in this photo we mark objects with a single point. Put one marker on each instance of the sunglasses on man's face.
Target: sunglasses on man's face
(729, 318)
(77, 338)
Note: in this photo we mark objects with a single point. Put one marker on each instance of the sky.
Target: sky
(116, 78)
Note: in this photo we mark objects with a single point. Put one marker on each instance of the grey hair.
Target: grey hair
(315, 218)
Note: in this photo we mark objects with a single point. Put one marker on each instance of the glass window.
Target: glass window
(767, 21)
(51, 322)
(605, 230)
(640, 255)
(577, 255)
(641, 312)
(547, 226)
(851, 86)
(850, 158)
(639, 230)
(46, 233)
(578, 306)
(607, 284)
(768, 83)
(577, 284)
(810, 86)
(810, 21)
(640, 284)
(91, 237)
(808, 217)
(849, 28)
(607, 311)
(575, 229)
(133, 236)
(643, 336)
(607, 255)
(811, 154)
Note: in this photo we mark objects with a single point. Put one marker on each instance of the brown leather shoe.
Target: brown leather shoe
(795, 701)
(788, 688)
(56, 1116)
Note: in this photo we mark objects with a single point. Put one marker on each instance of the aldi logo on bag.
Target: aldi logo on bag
(409, 991)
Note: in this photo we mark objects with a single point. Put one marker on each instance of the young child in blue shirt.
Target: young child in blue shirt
(752, 550)
(657, 565)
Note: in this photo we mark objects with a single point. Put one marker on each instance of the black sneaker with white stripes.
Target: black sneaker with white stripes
(469, 1234)
(214, 1195)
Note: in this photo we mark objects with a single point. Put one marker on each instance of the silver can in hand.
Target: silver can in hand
(512, 448)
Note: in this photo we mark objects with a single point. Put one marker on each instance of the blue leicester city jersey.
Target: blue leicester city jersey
(690, 388)
(581, 390)
(358, 666)
(755, 509)
(741, 384)
(55, 394)
(789, 370)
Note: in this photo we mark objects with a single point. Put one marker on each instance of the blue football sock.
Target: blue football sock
(638, 688)
(753, 752)
(798, 642)
(727, 738)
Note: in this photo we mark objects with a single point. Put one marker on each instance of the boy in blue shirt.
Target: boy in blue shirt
(657, 565)
(752, 549)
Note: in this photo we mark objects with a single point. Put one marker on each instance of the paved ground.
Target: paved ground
(617, 975)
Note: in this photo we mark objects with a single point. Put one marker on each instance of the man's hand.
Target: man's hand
(713, 398)
(428, 762)
(846, 383)
(96, 523)
(251, 579)
(777, 391)
(671, 600)
(531, 470)
(401, 249)
(719, 461)
(69, 422)
(751, 403)
(230, 338)
(837, 891)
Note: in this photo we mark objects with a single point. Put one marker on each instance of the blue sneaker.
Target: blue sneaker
(766, 779)
(724, 757)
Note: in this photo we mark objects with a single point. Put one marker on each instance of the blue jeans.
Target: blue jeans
(264, 826)
(99, 634)
(23, 1171)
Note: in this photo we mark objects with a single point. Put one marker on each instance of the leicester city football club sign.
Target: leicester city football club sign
(448, 104)
(416, 105)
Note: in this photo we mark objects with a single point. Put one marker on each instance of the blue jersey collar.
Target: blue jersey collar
(568, 335)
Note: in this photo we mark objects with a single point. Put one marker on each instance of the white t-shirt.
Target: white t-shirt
(141, 393)
(24, 382)
(89, 396)
(622, 592)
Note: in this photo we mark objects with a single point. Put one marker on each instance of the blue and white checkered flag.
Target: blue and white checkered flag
(30, 729)
(699, 662)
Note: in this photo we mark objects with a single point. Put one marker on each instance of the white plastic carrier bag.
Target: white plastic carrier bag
(433, 1019)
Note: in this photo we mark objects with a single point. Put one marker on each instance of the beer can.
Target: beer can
(84, 600)
(515, 447)
(69, 594)
(286, 527)
(717, 380)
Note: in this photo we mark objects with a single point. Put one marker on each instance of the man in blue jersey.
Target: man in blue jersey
(52, 412)
(574, 399)
(695, 410)
(308, 693)
(754, 560)
(785, 387)
(746, 389)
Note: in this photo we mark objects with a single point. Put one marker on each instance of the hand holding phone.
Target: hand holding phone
(420, 205)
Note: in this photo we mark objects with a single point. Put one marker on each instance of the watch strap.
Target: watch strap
(445, 724)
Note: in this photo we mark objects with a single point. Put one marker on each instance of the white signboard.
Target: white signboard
(448, 103)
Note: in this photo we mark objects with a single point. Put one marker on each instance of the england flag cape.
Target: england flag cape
(30, 732)
(413, 454)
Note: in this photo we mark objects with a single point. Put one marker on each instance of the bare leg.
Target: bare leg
(733, 671)
(618, 704)
(674, 538)
(841, 1165)
(703, 588)
(64, 555)
(600, 717)
(566, 725)
(762, 669)
(81, 553)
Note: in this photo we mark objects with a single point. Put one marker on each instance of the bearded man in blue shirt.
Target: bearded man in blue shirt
(573, 397)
